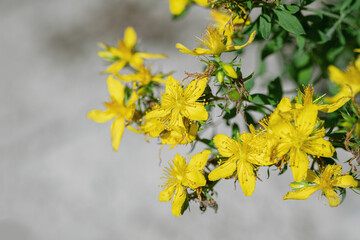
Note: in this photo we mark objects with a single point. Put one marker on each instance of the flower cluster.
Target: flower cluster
(301, 133)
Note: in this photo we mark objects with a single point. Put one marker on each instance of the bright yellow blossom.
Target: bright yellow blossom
(225, 24)
(178, 103)
(178, 6)
(243, 157)
(179, 135)
(142, 76)
(214, 41)
(179, 176)
(125, 54)
(330, 179)
(348, 80)
(298, 138)
(123, 113)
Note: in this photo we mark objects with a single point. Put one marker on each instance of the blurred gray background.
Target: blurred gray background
(60, 179)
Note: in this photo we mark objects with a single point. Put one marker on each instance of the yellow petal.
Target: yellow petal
(251, 39)
(328, 108)
(345, 182)
(198, 161)
(226, 146)
(172, 87)
(332, 196)
(336, 75)
(184, 49)
(177, 6)
(136, 61)
(194, 179)
(176, 120)
(306, 120)
(223, 171)
(179, 162)
(116, 67)
(133, 98)
(318, 147)
(117, 130)
(246, 177)
(157, 113)
(195, 112)
(178, 202)
(166, 194)
(195, 89)
(299, 164)
(130, 37)
(312, 177)
(203, 3)
(150, 55)
(302, 194)
(101, 116)
(116, 89)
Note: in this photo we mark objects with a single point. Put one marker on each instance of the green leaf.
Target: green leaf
(249, 84)
(262, 99)
(235, 131)
(292, 9)
(265, 25)
(275, 89)
(300, 41)
(289, 22)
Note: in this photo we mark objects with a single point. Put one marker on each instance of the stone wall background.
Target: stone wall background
(60, 179)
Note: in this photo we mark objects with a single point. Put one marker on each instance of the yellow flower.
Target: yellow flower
(298, 138)
(178, 6)
(244, 157)
(123, 113)
(330, 179)
(214, 41)
(178, 102)
(348, 80)
(142, 76)
(125, 54)
(179, 135)
(225, 24)
(179, 176)
(307, 98)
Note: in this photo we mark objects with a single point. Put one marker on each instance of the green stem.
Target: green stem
(332, 15)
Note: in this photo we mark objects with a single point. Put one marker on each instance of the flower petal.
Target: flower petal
(166, 194)
(226, 146)
(178, 202)
(117, 130)
(194, 90)
(299, 164)
(246, 177)
(345, 182)
(318, 147)
(328, 108)
(195, 112)
(101, 116)
(150, 55)
(223, 171)
(301, 194)
(130, 37)
(312, 177)
(177, 6)
(116, 67)
(194, 179)
(179, 163)
(198, 161)
(133, 98)
(332, 196)
(250, 40)
(306, 120)
(116, 89)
